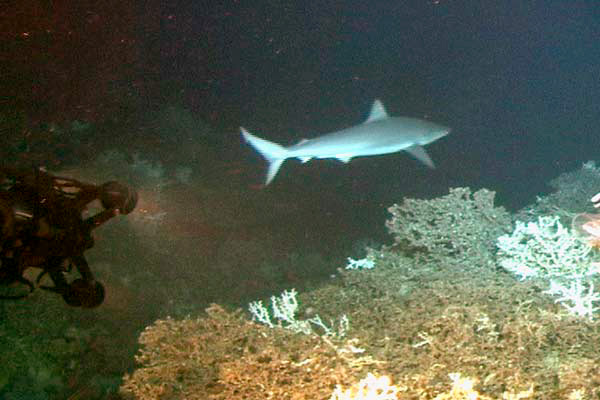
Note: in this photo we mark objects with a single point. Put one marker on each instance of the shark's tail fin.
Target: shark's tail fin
(272, 152)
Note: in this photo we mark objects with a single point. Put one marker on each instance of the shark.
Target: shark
(378, 134)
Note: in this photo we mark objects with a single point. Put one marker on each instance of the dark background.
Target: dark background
(517, 81)
(172, 81)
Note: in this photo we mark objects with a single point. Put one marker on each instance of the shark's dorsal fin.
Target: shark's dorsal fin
(377, 112)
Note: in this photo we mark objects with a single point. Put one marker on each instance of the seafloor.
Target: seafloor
(417, 323)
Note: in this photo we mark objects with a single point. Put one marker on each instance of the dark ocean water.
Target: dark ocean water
(516, 81)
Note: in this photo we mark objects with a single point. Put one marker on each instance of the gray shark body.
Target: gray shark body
(379, 134)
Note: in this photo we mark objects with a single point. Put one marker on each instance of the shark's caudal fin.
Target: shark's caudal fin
(272, 152)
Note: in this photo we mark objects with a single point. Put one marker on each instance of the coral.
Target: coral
(463, 389)
(575, 298)
(482, 325)
(381, 388)
(507, 336)
(225, 356)
(284, 309)
(461, 225)
(545, 248)
(369, 388)
(572, 193)
(412, 321)
(363, 263)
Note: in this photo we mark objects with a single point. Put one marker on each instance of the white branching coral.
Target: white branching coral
(283, 310)
(576, 298)
(548, 250)
(370, 388)
(544, 248)
(363, 263)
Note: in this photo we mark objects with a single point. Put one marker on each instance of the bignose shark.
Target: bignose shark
(379, 134)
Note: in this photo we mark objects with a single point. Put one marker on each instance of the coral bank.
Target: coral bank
(438, 322)
(415, 324)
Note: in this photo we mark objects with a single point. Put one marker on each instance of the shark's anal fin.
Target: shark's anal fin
(345, 158)
(420, 154)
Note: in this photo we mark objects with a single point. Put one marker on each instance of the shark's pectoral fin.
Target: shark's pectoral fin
(420, 154)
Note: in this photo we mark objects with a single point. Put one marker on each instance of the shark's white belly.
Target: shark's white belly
(357, 141)
(345, 153)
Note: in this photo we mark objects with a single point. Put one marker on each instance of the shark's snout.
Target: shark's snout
(442, 133)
